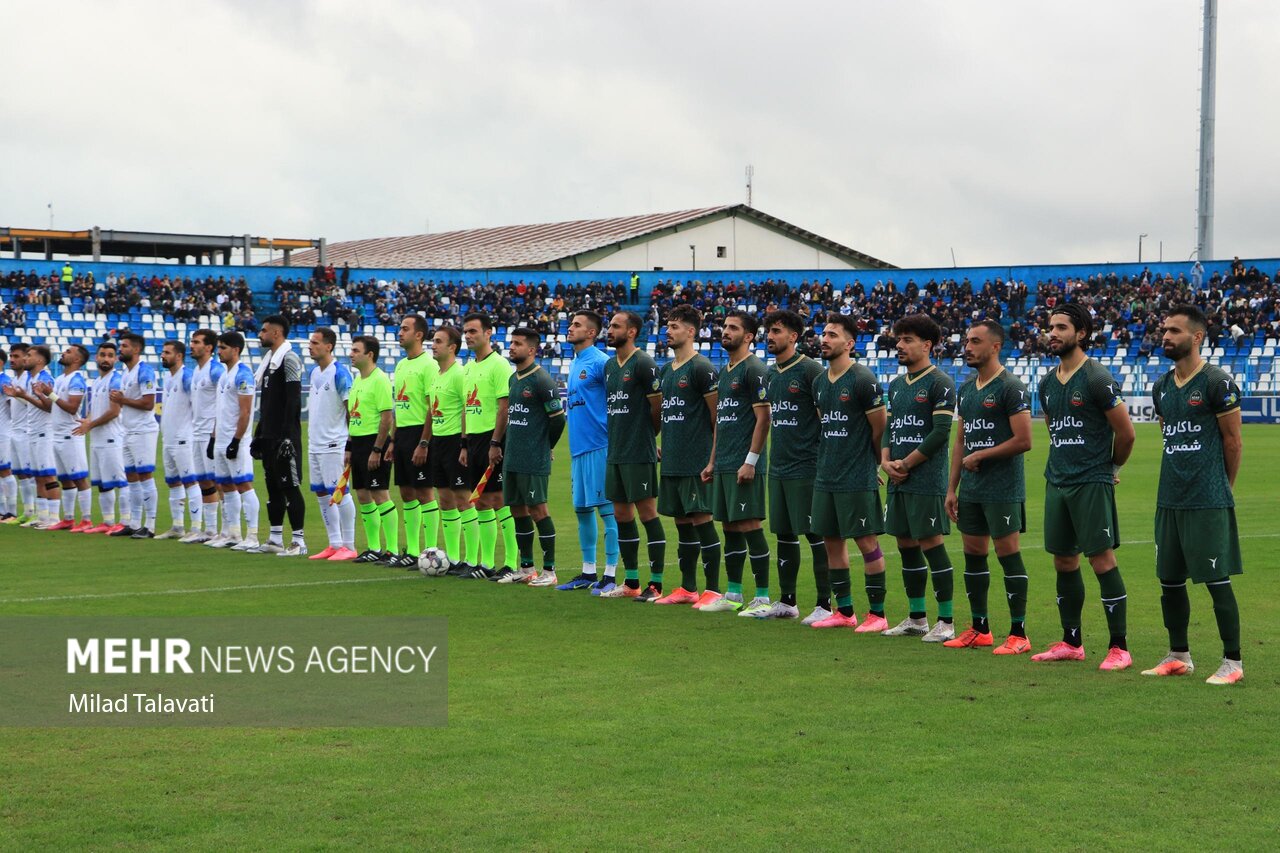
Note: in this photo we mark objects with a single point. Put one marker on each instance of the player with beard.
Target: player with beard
(987, 491)
(1090, 438)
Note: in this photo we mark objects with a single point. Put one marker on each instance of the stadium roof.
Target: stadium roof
(554, 245)
(97, 242)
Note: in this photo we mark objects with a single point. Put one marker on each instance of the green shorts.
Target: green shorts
(629, 482)
(911, 516)
(847, 515)
(1080, 519)
(731, 502)
(1202, 544)
(524, 489)
(996, 520)
(790, 503)
(679, 497)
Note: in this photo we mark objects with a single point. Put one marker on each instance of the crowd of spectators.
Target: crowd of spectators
(183, 298)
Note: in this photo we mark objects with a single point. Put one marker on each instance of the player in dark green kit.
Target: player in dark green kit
(846, 490)
(793, 463)
(688, 438)
(535, 421)
(737, 473)
(986, 497)
(914, 456)
(634, 419)
(1199, 409)
(1090, 437)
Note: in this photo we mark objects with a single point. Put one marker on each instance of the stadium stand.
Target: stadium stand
(1239, 299)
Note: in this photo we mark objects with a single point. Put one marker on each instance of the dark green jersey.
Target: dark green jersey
(1193, 474)
(848, 460)
(629, 387)
(1080, 437)
(913, 402)
(793, 431)
(687, 428)
(741, 389)
(532, 402)
(986, 411)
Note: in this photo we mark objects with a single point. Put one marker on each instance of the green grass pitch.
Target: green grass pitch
(580, 723)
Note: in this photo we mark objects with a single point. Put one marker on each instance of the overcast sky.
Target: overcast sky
(1011, 131)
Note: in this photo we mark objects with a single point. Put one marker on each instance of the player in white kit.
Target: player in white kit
(137, 398)
(8, 482)
(177, 453)
(31, 389)
(205, 374)
(18, 433)
(327, 437)
(232, 464)
(106, 438)
(69, 458)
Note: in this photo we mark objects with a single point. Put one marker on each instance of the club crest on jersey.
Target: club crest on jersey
(734, 384)
(922, 396)
(582, 374)
(794, 386)
(626, 377)
(989, 402)
(1196, 398)
(1077, 399)
(683, 383)
(526, 393)
(844, 395)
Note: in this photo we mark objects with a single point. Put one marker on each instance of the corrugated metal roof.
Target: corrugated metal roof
(516, 246)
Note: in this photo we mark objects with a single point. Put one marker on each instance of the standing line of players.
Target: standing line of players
(471, 449)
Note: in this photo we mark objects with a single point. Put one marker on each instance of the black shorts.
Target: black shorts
(406, 473)
(478, 462)
(445, 470)
(361, 477)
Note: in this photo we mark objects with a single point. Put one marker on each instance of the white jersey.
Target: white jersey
(204, 395)
(97, 405)
(327, 406)
(37, 419)
(6, 405)
(236, 382)
(136, 383)
(68, 385)
(19, 409)
(176, 414)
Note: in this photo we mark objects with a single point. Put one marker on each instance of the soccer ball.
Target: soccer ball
(433, 562)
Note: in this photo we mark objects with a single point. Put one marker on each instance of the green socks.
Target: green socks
(390, 527)
(821, 580)
(1114, 601)
(1227, 613)
(735, 557)
(842, 588)
(977, 583)
(875, 593)
(710, 548)
(629, 549)
(943, 580)
(507, 523)
(656, 541)
(1175, 605)
(915, 579)
(372, 526)
(471, 536)
(1070, 606)
(430, 525)
(488, 536)
(524, 540)
(412, 527)
(1015, 588)
(451, 520)
(758, 550)
(547, 539)
(687, 554)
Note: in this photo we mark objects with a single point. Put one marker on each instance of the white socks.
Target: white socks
(194, 506)
(347, 515)
(8, 495)
(231, 513)
(249, 500)
(330, 516)
(150, 497)
(107, 505)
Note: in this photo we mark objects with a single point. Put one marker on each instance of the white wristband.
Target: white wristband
(52, 397)
(752, 458)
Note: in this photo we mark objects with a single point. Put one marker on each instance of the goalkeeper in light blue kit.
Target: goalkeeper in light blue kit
(589, 445)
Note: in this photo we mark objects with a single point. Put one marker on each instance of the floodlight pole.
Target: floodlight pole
(1208, 83)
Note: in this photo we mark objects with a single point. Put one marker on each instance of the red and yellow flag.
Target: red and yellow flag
(340, 490)
(475, 496)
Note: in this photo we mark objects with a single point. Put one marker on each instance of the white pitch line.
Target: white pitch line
(199, 590)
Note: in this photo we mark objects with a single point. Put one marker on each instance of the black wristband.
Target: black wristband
(494, 443)
(377, 449)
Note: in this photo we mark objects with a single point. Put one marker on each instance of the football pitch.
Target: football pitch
(586, 724)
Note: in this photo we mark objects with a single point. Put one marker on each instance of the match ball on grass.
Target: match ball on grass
(433, 562)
